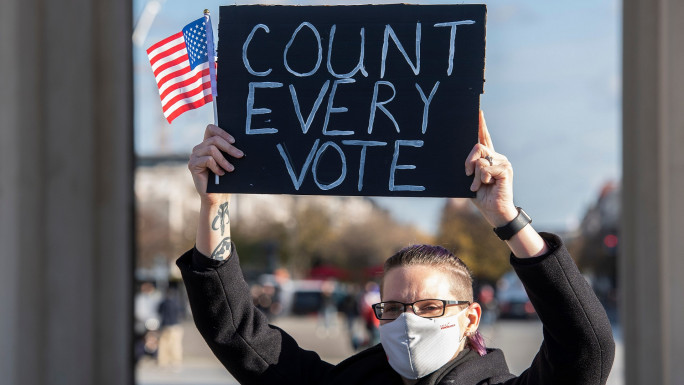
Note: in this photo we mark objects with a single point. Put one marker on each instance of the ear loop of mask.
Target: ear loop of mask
(465, 334)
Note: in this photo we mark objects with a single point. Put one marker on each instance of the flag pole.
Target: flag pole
(211, 54)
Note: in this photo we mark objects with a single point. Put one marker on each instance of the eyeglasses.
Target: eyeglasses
(426, 308)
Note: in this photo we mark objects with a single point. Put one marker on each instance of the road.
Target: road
(518, 339)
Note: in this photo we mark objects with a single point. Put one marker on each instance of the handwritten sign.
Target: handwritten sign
(374, 100)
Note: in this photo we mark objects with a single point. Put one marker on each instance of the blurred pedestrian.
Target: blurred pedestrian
(487, 300)
(327, 313)
(146, 324)
(370, 296)
(350, 308)
(171, 311)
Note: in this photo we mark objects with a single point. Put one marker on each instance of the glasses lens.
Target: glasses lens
(391, 310)
(429, 308)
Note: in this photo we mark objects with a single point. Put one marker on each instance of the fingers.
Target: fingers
(483, 148)
(215, 144)
(218, 163)
(209, 153)
(477, 179)
(213, 130)
(483, 136)
(199, 164)
(486, 174)
(478, 152)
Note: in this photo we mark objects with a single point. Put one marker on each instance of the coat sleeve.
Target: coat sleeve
(578, 345)
(239, 334)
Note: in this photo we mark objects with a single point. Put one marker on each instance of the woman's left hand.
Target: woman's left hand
(493, 181)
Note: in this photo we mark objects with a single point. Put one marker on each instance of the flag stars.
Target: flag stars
(196, 42)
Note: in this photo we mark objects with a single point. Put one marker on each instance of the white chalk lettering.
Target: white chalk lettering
(295, 101)
(297, 180)
(452, 40)
(362, 162)
(258, 111)
(245, 61)
(389, 32)
(331, 109)
(359, 66)
(426, 103)
(375, 105)
(343, 161)
(395, 166)
(319, 53)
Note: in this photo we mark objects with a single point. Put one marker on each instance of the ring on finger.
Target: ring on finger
(490, 159)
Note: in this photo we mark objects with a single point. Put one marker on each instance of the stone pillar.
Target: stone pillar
(66, 200)
(652, 241)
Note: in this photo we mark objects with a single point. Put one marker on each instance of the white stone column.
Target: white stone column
(652, 240)
(66, 196)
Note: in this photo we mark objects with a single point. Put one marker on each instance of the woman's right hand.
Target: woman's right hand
(207, 156)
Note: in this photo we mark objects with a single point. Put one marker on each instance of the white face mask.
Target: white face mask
(418, 346)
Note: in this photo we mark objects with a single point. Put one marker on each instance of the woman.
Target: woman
(428, 319)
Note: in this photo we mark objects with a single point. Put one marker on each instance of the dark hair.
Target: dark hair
(441, 259)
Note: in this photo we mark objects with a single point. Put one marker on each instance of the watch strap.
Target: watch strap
(507, 231)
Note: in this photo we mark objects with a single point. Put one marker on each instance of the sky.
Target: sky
(552, 102)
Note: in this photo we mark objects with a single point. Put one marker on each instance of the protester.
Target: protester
(146, 327)
(428, 319)
(171, 310)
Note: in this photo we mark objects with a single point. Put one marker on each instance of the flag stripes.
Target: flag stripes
(181, 87)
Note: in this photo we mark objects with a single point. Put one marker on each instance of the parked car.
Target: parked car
(512, 298)
(306, 297)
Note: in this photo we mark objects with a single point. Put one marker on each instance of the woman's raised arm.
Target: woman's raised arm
(213, 231)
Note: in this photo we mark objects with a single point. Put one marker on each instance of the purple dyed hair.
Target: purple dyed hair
(443, 260)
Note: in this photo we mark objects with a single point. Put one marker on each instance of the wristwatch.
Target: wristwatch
(507, 231)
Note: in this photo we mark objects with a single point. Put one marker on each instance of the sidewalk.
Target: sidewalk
(195, 371)
(200, 367)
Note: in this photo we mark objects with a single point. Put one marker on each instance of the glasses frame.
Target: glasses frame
(445, 303)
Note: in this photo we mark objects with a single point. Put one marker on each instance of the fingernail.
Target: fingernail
(231, 140)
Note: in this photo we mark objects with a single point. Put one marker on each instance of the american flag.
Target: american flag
(181, 67)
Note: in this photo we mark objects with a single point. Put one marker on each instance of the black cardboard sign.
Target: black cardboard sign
(374, 100)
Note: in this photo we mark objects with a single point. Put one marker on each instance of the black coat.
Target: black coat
(578, 345)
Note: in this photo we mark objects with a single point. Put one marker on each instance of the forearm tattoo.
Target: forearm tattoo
(222, 222)
(222, 250)
(222, 219)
